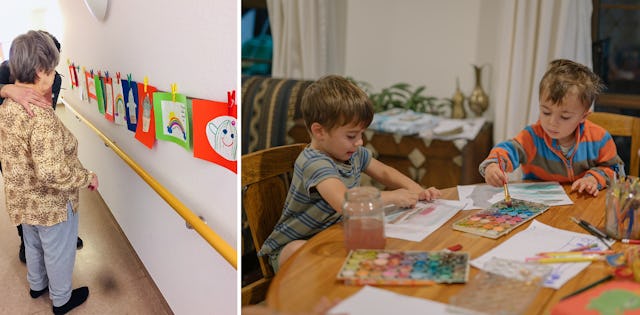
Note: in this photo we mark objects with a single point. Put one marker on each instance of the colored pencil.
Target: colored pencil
(628, 241)
(582, 253)
(586, 228)
(583, 248)
(568, 259)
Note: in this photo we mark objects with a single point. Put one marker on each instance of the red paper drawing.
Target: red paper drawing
(146, 129)
(215, 136)
(91, 87)
(73, 76)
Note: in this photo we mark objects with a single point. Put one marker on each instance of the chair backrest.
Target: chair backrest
(622, 125)
(266, 176)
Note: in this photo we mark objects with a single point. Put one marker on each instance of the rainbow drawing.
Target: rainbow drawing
(175, 123)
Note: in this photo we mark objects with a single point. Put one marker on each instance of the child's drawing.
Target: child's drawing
(482, 196)
(132, 107)
(222, 136)
(174, 120)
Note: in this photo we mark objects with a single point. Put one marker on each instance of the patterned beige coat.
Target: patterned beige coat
(40, 165)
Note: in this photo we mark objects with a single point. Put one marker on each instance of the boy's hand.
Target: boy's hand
(429, 194)
(587, 184)
(402, 198)
(494, 176)
(26, 97)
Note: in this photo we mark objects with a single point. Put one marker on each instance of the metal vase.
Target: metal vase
(478, 100)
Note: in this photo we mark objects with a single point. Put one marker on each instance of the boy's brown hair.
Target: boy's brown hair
(564, 75)
(333, 101)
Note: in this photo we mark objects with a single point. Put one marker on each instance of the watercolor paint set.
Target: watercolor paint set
(500, 219)
(389, 267)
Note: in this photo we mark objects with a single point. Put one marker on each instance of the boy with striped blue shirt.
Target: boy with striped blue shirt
(336, 113)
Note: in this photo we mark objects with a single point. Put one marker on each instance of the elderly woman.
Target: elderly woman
(42, 176)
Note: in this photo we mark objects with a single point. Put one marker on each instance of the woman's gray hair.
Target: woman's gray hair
(30, 53)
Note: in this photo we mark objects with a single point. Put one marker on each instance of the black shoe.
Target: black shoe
(78, 296)
(21, 255)
(79, 244)
(37, 294)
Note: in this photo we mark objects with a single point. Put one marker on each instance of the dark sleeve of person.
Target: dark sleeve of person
(5, 76)
(55, 89)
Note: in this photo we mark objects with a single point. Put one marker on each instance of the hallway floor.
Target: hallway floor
(107, 264)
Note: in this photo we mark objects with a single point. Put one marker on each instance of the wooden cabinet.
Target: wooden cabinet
(436, 163)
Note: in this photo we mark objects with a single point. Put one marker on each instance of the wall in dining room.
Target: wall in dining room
(428, 42)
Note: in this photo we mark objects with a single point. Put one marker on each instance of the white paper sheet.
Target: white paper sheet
(539, 237)
(426, 217)
(470, 129)
(483, 195)
(374, 301)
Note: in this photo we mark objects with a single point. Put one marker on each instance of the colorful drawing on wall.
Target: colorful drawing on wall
(73, 76)
(215, 135)
(172, 118)
(108, 97)
(118, 101)
(91, 86)
(82, 87)
(99, 92)
(146, 130)
(130, 93)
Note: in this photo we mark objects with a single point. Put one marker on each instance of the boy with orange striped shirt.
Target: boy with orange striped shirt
(562, 145)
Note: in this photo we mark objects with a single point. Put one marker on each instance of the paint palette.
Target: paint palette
(387, 267)
(500, 219)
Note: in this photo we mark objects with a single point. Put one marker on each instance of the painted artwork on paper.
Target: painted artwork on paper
(82, 89)
(98, 84)
(172, 118)
(215, 136)
(146, 129)
(118, 101)
(91, 86)
(130, 94)
(482, 196)
(108, 97)
(73, 76)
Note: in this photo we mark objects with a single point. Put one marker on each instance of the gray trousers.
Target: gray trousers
(51, 254)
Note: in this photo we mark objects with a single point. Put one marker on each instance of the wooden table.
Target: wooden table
(311, 272)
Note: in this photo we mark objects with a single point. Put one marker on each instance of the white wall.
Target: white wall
(422, 42)
(191, 43)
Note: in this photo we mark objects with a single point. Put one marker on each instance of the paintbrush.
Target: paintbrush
(507, 196)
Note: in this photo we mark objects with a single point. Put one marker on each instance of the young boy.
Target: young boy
(336, 113)
(562, 145)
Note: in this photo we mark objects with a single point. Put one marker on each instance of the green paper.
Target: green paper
(99, 93)
(172, 118)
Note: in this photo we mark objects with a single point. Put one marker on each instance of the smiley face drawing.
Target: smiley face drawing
(222, 136)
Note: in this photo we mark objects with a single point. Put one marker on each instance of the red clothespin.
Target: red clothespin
(231, 101)
(100, 73)
(118, 77)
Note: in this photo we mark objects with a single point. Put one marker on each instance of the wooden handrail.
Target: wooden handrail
(218, 243)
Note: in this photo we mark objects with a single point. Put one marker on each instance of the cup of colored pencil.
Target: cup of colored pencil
(622, 210)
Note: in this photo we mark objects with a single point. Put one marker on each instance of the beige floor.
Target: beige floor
(107, 264)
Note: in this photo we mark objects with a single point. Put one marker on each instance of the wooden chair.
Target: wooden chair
(266, 176)
(622, 125)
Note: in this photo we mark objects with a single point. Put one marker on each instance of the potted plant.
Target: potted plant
(402, 95)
